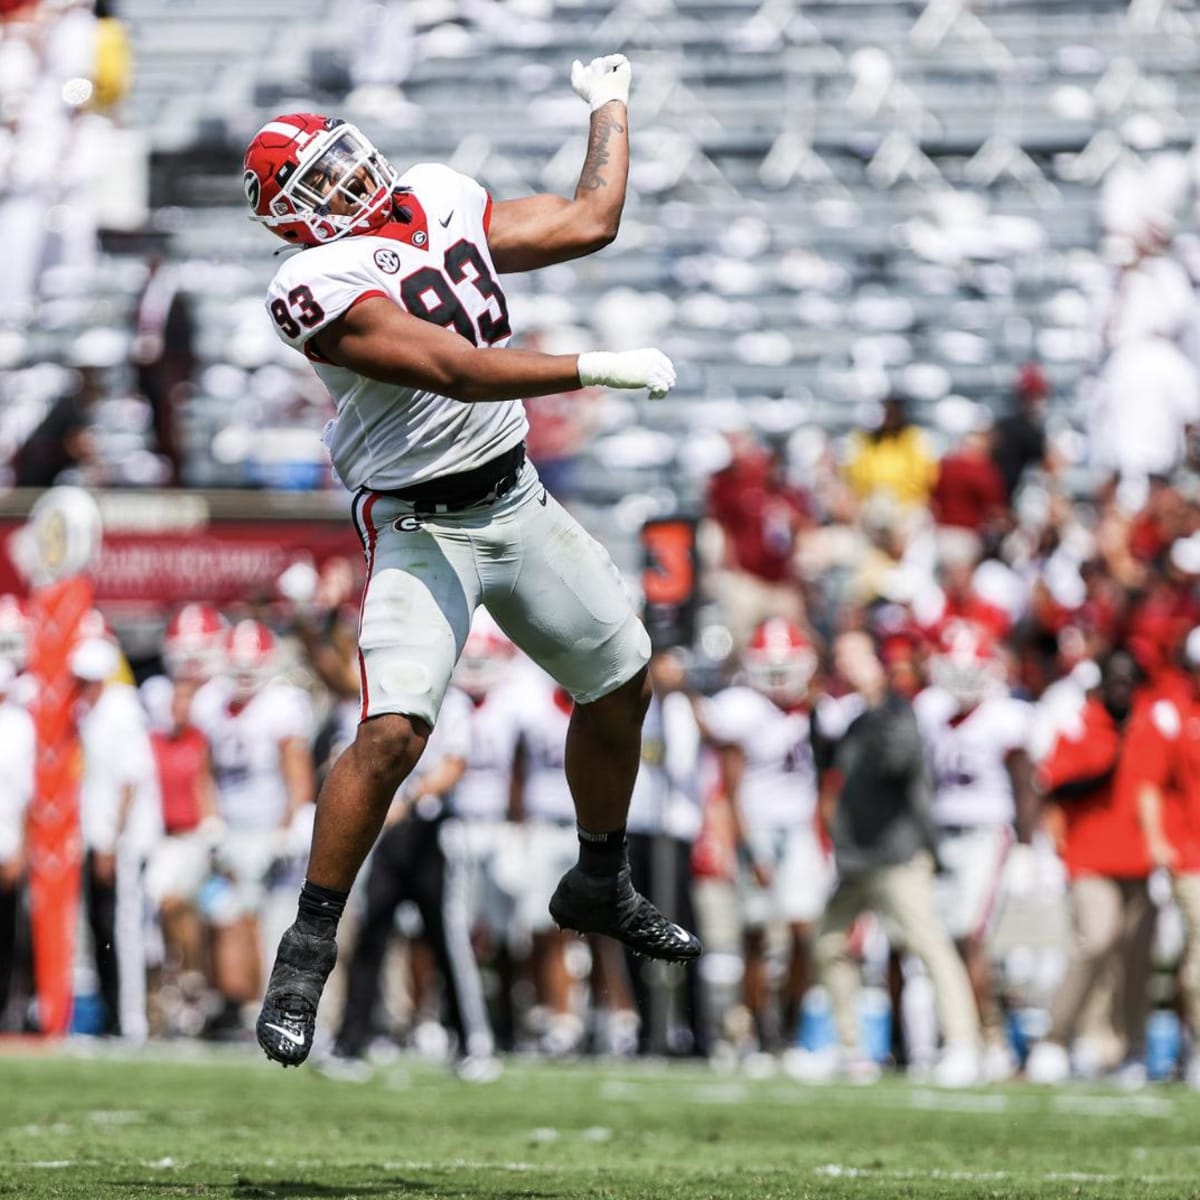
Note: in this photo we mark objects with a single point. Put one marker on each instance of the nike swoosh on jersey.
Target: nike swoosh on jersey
(297, 1039)
(542, 498)
(449, 217)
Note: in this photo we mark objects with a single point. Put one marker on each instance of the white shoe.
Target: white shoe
(479, 1068)
(958, 1066)
(1192, 1075)
(1130, 1076)
(810, 1066)
(1048, 1063)
(759, 1065)
(999, 1063)
(859, 1069)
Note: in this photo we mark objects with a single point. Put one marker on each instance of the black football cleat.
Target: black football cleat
(288, 1018)
(590, 904)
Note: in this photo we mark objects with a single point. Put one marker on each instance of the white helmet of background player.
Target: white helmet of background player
(779, 661)
(249, 658)
(966, 663)
(486, 657)
(14, 632)
(192, 644)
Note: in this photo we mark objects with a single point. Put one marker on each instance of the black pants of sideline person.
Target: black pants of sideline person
(409, 863)
(101, 897)
(678, 908)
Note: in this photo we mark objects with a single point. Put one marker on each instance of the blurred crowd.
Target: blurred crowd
(934, 734)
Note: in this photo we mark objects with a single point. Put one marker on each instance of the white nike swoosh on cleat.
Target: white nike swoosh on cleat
(297, 1039)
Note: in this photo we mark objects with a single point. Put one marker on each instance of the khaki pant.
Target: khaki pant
(905, 894)
(1112, 926)
(746, 601)
(1187, 895)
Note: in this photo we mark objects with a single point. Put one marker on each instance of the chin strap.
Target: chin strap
(401, 212)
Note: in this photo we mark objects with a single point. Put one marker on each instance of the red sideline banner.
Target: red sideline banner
(164, 549)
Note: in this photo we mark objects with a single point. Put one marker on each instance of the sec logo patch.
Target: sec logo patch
(387, 260)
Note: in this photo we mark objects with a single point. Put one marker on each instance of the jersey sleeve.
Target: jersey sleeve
(1017, 729)
(452, 734)
(313, 289)
(291, 714)
(731, 716)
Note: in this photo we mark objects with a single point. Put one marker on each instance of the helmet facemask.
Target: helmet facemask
(342, 185)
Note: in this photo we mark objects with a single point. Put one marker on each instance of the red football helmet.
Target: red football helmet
(966, 663)
(192, 642)
(313, 179)
(250, 655)
(486, 656)
(14, 632)
(779, 661)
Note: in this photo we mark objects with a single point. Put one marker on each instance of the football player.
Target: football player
(260, 732)
(976, 736)
(191, 653)
(485, 700)
(395, 300)
(762, 730)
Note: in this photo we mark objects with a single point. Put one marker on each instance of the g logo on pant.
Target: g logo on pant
(407, 524)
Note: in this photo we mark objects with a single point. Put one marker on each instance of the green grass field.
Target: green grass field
(230, 1126)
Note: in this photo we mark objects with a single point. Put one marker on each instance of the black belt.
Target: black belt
(494, 479)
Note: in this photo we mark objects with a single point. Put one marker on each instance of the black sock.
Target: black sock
(320, 909)
(601, 853)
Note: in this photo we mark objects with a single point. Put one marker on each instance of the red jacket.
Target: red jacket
(1163, 748)
(1102, 833)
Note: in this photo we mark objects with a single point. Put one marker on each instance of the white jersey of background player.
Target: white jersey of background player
(483, 701)
(976, 737)
(254, 725)
(762, 732)
(486, 700)
(544, 710)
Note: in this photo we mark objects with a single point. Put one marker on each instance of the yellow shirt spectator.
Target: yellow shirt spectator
(895, 459)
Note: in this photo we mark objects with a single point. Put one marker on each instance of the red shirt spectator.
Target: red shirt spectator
(182, 758)
(1102, 833)
(1163, 749)
(760, 515)
(969, 493)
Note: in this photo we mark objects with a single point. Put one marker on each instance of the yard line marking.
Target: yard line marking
(1112, 1106)
(974, 1102)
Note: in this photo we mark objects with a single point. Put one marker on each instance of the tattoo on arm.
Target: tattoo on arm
(597, 153)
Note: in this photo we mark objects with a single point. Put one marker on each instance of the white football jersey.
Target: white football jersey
(668, 794)
(492, 732)
(967, 757)
(18, 759)
(544, 712)
(436, 267)
(245, 744)
(118, 758)
(779, 788)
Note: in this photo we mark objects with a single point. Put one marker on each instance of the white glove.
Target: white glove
(602, 80)
(628, 369)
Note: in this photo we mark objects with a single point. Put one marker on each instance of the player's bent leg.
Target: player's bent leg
(350, 814)
(597, 894)
(563, 603)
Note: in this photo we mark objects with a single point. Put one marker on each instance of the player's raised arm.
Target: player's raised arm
(378, 339)
(540, 230)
